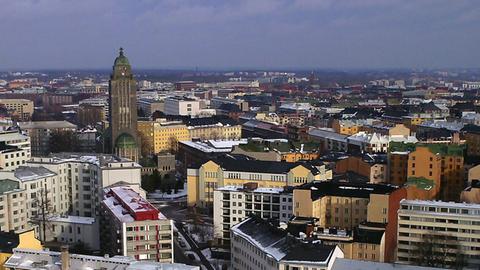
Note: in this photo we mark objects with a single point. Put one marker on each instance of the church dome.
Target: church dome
(125, 140)
(121, 59)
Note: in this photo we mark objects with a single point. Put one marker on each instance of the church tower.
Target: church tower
(123, 110)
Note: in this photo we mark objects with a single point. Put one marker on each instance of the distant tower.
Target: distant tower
(123, 110)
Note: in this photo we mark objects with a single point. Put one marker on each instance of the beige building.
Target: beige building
(14, 150)
(451, 229)
(133, 227)
(13, 211)
(22, 109)
(216, 132)
(230, 171)
(472, 193)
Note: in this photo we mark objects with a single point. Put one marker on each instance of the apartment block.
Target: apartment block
(236, 171)
(14, 150)
(71, 230)
(181, 106)
(40, 133)
(445, 233)
(161, 136)
(131, 226)
(13, 208)
(232, 204)
(256, 244)
(21, 109)
(84, 177)
(373, 167)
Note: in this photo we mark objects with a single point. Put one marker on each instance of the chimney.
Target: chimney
(65, 257)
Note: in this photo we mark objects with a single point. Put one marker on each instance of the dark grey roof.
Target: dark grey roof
(239, 163)
(9, 241)
(346, 189)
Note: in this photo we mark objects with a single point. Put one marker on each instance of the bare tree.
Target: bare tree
(439, 250)
(43, 208)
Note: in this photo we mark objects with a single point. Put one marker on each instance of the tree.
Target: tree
(64, 141)
(173, 142)
(436, 250)
(42, 210)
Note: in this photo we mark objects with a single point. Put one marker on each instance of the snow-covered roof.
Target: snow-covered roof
(72, 219)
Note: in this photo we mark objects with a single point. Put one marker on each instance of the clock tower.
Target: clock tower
(122, 93)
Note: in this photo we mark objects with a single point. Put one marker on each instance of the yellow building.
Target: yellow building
(365, 213)
(345, 127)
(216, 132)
(11, 240)
(22, 109)
(158, 136)
(229, 171)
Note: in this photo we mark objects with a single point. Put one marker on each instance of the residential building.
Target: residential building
(21, 109)
(451, 230)
(11, 241)
(91, 114)
(374, 167)
(236, 171)
(14, 149)
(131, 226)
(72, 230)
(345, 127)
(80, 178)
(232, 204)
(13, 211)
(149, 106)
(197, 152)
(162, 136)
(28, 259)
(122, 94)
(217, 131)
(278, 150)
(329, 140)
(256, 244)
(181, 106)
(40, 134)
(471, 134)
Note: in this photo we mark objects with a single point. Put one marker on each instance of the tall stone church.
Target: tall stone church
(123, 110)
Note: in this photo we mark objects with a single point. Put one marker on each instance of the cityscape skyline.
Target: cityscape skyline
(245, 34)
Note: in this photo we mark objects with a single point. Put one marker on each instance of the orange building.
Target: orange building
(430, 171)
(370, 166)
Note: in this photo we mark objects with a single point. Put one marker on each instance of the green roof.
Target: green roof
(436, 148)
(125, 140)
(421, 182)
(121, 60)
(8, 185)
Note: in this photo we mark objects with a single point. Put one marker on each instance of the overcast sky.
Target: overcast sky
(240, 34)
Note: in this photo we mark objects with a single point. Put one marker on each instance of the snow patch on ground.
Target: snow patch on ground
(165, 196)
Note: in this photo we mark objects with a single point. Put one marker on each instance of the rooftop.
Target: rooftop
(24, 173)
(72, 219)
(345, 189)
(237, 164)
(349, 264)
(128, 206)
(46, 124)
(7, 185)
(278, 244)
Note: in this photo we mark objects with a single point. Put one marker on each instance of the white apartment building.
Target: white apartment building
(13, 212)
(72, 230)
(14, 150)
(131, 226)
(451, 229)
(233, 204)
(88, 175)
(181, 106)
(256, 244)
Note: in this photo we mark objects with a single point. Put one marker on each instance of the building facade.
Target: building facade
(40, 133)
(451, 230)
(21, 109)
(230, 171)
(131, 226)
(232, 204)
